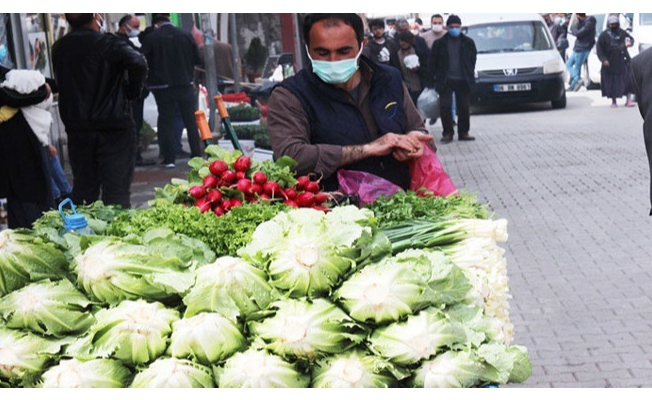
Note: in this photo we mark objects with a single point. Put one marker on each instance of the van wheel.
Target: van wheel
(559, 103)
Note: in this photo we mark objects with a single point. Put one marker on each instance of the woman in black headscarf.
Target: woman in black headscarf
(611, 49)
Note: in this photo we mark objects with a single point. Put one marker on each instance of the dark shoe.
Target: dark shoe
(183, 154)
(432, 121)
(466, 138)
(447, 139)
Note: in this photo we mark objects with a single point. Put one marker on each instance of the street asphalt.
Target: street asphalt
(574, 186)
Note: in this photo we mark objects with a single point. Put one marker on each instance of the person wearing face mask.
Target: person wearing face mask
(436, 30)
(344, 111)
(611, 49)
(128, 30)
(452, 72)
(559, 31)
(98, 76)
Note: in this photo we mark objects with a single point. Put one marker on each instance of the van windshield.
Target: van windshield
(645, 19)
(506, 37)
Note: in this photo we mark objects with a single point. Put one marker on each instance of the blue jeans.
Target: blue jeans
(574, 65)
(60, 184)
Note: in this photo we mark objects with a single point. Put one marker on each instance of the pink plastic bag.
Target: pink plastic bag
(367, 186)
(428, 173)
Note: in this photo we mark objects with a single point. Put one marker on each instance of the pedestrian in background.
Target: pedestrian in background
(172, 55)
(410, 66)
(452, 68)
(128, 29)
(611, 49)
(584, 31)
(422, 50)
(436, 30)
(380, 48)
(98, 76)
(641, 69)
(559, 33)
(25, 177)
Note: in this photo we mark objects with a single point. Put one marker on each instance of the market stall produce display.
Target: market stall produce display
(409, 291)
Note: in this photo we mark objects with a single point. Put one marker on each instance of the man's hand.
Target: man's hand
(605, 63)
(402, 147)
(417, 140)
(52, 150)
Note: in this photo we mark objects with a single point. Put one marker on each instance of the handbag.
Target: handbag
(427, 176)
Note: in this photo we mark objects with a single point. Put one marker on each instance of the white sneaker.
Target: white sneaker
(170, 165)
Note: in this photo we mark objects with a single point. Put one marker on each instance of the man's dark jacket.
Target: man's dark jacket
(172, 55)
(97, 74)
(584, 32)
(439, 61)
(336, 119)
(641, 67)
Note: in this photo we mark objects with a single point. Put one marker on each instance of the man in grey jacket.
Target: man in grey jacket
(641, 67)
(584, 32)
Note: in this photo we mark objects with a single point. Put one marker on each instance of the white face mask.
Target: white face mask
(133, 33)
(437, 28)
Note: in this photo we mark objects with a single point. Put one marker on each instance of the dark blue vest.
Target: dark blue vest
(335, 118)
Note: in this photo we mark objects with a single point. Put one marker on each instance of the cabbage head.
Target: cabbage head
(258, 368)
(98, 373)
(134, 332)
(174, 373)
(47, 308)
(308, 252)
(356, 368)
(418, 338)
(112, 270)
(26, 258)
(24, 356)
(230, 286)
(207, 338)
(305, 329)
(451, 369)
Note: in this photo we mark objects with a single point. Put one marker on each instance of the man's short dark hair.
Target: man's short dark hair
(353, 20)
(437, 16)
(125, 19)
(160, 17)
(418, 21)
(376, 23)
(406, 36)
(79, 20)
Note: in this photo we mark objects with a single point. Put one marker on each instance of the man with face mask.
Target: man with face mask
(98, 76)
(128, 30)
(344, 110)
(452, 71)
(436, 30)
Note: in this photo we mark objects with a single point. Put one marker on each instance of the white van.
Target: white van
(517, 60)
(641, 29)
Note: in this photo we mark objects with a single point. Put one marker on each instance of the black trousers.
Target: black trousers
(463, 105)
(167, 100)
(102, 162)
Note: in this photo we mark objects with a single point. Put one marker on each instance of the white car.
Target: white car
(517, 60)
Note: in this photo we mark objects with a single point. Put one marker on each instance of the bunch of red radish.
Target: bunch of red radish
(226, 188)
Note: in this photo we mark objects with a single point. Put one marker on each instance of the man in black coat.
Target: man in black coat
(641, 67)
(98, 76)
(172, 55)
(452, 70)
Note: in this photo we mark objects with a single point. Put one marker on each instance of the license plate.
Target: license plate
(514, 87)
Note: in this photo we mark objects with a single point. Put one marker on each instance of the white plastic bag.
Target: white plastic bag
(428, 104)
